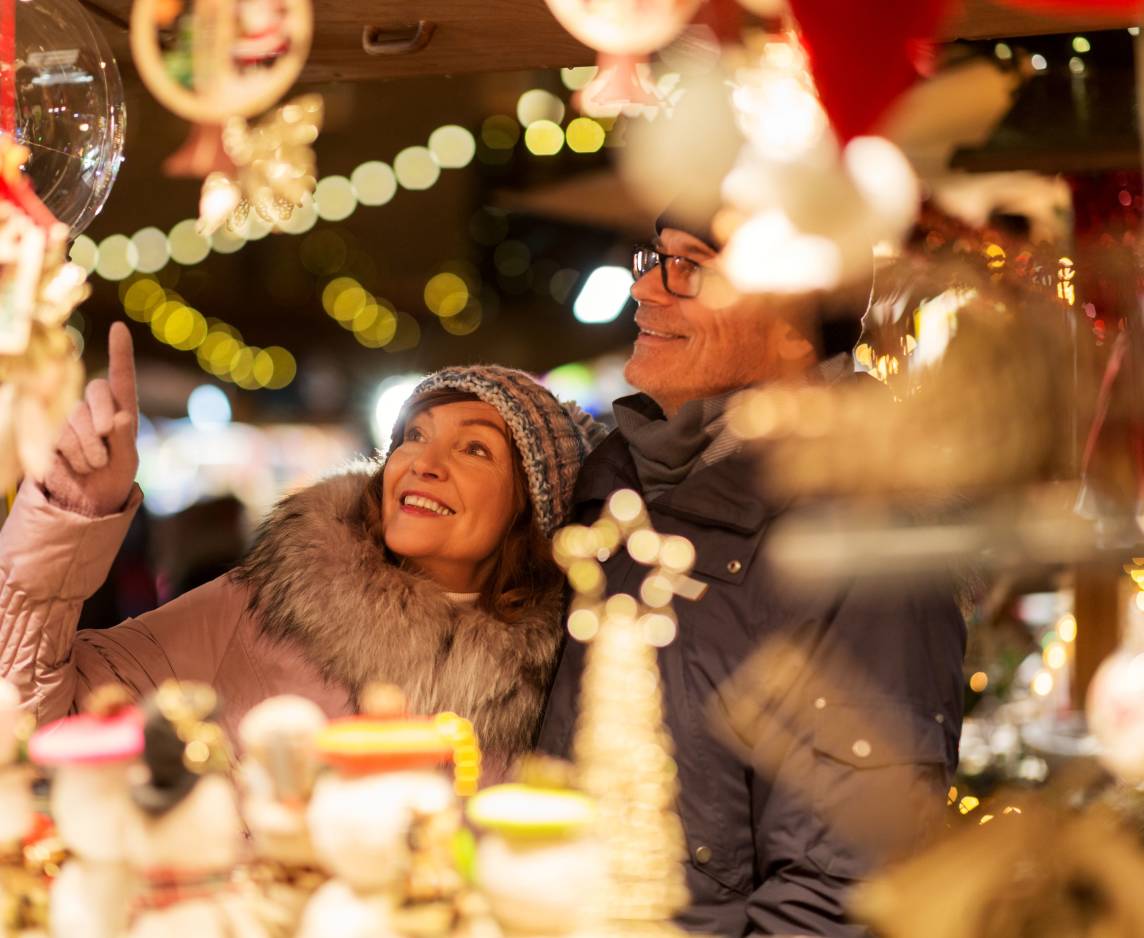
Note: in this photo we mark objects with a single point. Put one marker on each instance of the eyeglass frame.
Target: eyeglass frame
(662, 256)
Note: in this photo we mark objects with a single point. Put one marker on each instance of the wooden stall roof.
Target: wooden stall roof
(503, 35)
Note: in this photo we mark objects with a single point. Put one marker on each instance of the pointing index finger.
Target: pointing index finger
(121, 369)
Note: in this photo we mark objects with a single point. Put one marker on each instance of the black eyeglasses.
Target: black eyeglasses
(681, 276)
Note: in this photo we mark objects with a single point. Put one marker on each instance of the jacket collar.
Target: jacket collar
(727, 494)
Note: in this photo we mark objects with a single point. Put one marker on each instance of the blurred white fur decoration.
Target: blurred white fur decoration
(811, 211)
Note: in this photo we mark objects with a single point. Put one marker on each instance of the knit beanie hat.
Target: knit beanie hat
(553, 438)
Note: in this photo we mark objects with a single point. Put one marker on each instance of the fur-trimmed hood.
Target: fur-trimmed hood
(318, 580)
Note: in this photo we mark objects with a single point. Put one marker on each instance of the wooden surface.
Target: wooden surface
(503, 35)
(1097, 610)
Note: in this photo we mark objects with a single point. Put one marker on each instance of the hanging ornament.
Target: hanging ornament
(865, 55)
(40, 374)
(274, 168)
(213, 61)
(62, 99)
(803, 213)
(625, 33)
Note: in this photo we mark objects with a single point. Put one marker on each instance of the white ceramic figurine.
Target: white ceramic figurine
(382, 823)
(187, 837)
(279, 767)
(92, 754)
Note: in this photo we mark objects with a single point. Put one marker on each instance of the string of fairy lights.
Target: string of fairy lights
(451, 294)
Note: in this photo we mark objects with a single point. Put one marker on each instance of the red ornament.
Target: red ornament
(865, 55)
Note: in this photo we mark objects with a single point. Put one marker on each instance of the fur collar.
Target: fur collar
(317, 579)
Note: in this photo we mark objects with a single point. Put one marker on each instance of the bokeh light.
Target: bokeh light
(208, 406)
(225, 241)
(544, 138)
(579, 77)
(117, 257)
(453, 147)
(446, 294)
(416, 169)
(152, 250)
(585, 135)
(303, 218)
(467, 321)
(374, 183)
(539, 105)
(391, 397)
(85, 253)
(334, 198)
(187, 246)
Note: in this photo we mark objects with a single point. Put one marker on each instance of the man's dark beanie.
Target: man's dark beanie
(838, 313)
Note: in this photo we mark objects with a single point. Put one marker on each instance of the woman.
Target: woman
(431, 571)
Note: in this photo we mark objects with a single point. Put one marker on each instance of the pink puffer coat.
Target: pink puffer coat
(315, 609)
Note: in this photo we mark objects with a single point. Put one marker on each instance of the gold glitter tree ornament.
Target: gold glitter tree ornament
(274, 168)
(623, 752)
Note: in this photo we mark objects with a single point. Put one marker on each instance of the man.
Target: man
(853, 693)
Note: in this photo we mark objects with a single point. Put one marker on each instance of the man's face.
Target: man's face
(687, 349)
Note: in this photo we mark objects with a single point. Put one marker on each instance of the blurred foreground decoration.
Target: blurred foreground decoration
(216, 64)
(1035, 869)
(40, 372)
(622, 749)
(274, 168)
(625, 33)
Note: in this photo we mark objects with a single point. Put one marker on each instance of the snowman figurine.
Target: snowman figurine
(23, 899)
(279, 767)
(92, 755)
(187, 836)
(538, 861)
(383, 823)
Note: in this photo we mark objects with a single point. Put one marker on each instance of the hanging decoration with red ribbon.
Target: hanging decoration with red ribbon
(864, 56)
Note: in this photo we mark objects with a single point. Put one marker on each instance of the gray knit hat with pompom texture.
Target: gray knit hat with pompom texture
(552, 437)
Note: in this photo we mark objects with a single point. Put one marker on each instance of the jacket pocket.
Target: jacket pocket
(878, 783)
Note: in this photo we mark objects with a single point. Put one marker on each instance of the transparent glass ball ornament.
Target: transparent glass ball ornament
(70, 111)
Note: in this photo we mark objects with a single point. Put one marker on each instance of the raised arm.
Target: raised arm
(64, 531)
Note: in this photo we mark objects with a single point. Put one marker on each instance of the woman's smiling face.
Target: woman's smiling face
(449, 494)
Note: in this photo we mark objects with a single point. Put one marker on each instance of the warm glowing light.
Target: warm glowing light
(1043, 684)
(544, 138)
(85, 253)
(416, 169)
(1066, 628)
(1140, 600)
(225, 241)
(452, 147)
(1081, 44)
(539, 105)
(374, 183)
(152, 250)
(302, 219)
(274, 367)
(968, 803)
(585, 135)
(1076, 65)
(335, 198)
(576, 78)
(467, 321)
(583, 624)
(979, 682)
(766, 253)
(1039, 62)
(446, 294)
(187, 246)
(1003, 51)
(142, 298)
(1056, 656)
(381, 327)
(117, 257)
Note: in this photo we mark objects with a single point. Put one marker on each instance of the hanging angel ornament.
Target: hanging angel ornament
(40, 372)
(217, 63)
(625, 33)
